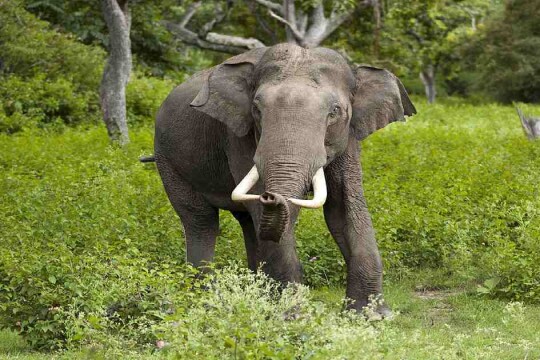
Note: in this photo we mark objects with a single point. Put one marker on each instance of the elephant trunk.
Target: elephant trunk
(282, 181)
(274, 220)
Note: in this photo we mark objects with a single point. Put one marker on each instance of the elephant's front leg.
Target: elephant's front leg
(349, 223)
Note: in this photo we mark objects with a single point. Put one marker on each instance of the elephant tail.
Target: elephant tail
(147, 159)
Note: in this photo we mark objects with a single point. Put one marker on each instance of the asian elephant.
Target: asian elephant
(277, 122)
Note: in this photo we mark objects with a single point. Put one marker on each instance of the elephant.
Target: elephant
(255, 134)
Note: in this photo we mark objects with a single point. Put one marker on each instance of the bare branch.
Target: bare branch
(262, 22)
(191, 38)
(321, 27)
(289, 13)
(531, 125)
(219, 17)
(291, 26)
(205, 39)
(191, 10)
(302, 23)
(315, 32)
(335, 21)
(270, 5)
(250, 43)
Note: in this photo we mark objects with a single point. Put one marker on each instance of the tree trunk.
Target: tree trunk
(427, 75)
(377, 28)
(117, 70)
(531, 125)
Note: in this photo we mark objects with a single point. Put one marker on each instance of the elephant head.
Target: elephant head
(301, 105)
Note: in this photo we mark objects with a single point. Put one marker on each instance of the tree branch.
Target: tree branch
(219, 17)
(335, 21)
(321, 27)
(291, 26)
(252, 5)
(237, 41)
(189, 37)
(315, 32)
(191, 10)
(289, 14)
(302, 23)
(205, 39)
(531, 125)
(270, 5)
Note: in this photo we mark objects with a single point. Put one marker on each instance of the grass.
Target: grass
(457, 321)
(450, 323)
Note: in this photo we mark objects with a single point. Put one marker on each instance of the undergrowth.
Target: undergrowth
(87, 229)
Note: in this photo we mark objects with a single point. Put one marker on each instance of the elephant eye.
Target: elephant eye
(255, 110)
(334, 113)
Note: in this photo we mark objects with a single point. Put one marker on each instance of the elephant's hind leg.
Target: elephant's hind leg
(200, 219)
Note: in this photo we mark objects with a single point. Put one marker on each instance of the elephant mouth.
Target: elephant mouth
(240, 193)
(276, 215)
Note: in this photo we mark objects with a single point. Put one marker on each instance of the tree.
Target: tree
(117, 70)
(306, 23)
(507, 53)
(428, 29)
(530, 124)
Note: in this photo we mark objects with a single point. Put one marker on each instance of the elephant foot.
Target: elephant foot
(380, 312)
(375, 310)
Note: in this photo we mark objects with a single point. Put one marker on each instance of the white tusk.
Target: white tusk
(319, 192)
(240, 192)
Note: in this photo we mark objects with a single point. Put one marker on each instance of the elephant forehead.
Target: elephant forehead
(285, 61)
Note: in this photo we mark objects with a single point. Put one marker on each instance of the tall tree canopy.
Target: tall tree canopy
(422, 34)
(506, 54)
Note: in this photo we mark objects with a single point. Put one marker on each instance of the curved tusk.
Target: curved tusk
(319, 192)
(240, 191)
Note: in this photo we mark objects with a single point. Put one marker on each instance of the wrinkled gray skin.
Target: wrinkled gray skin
(289, 111)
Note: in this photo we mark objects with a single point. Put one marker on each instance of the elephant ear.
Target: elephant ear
(379, 100)
(227, 91)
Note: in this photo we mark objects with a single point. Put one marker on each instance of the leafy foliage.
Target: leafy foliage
(50, 80)
(47, 78)
(506, 54)
(466, 196)
(87, 230)
(426, 36)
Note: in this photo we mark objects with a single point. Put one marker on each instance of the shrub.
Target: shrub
(44, 102)
(144, 97)
(29, 47)
(243, 315)
(47, 78)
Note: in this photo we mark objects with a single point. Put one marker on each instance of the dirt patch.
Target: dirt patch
(441, 311)
(435, 294)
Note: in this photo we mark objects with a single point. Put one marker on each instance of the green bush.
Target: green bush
(144, 96)
(71, 241)
(46, 77)
(455, 188)
(30, 46)
(243, 315)
(44, 102)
